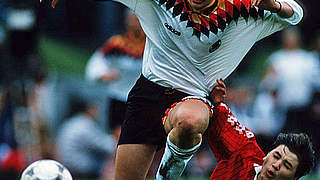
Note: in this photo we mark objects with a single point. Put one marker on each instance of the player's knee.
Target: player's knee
(191, 123)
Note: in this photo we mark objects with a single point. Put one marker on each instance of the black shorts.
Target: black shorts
(116, 113)
(146, 105)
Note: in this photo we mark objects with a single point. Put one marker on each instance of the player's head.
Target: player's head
(292, 157)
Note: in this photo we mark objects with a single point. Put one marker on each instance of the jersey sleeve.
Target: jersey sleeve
(297, 12)
(226, 135)
(273, 22)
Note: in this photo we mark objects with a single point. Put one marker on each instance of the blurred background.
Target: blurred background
(45, 91)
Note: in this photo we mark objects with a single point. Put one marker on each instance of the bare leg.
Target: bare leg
(133, 161)
(185, 124)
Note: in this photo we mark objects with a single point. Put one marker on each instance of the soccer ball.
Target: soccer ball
(46, 170)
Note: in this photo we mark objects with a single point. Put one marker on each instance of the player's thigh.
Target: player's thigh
(191, 113)
(133, 161)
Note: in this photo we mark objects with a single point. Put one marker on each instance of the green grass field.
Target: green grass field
(63, 57)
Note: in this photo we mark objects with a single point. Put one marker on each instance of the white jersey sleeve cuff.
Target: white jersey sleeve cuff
(297, 12)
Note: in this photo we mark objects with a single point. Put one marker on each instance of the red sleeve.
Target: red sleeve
(226, 135)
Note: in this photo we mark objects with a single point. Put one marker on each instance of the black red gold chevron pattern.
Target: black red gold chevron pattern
(217, 16)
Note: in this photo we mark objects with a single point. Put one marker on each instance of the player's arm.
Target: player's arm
(218, 93)
(283, 9)
(225, 133)
(277, 21)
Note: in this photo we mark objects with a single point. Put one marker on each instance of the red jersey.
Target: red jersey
(234, 147)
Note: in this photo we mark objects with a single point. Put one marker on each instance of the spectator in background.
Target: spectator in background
(268, 118)
(293, 71)
(20, 66)
(118, 62)
(22, 61)
(82, 146)
(39, 104)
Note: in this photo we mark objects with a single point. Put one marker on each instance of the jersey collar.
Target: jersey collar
(257, 169)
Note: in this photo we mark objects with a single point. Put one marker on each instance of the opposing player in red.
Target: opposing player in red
(237, 152)
(240, 158)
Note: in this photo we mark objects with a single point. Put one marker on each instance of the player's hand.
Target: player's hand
(265, 4)
(218, 93)
(53, 3)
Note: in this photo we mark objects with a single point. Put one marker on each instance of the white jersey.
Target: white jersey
(176, 58)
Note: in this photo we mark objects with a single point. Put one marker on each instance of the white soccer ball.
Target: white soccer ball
(46, 170)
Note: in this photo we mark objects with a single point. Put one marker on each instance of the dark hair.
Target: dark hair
(301, 145)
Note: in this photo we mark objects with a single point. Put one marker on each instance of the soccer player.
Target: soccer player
(238, 154)
(189, 44)
(239, 157)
